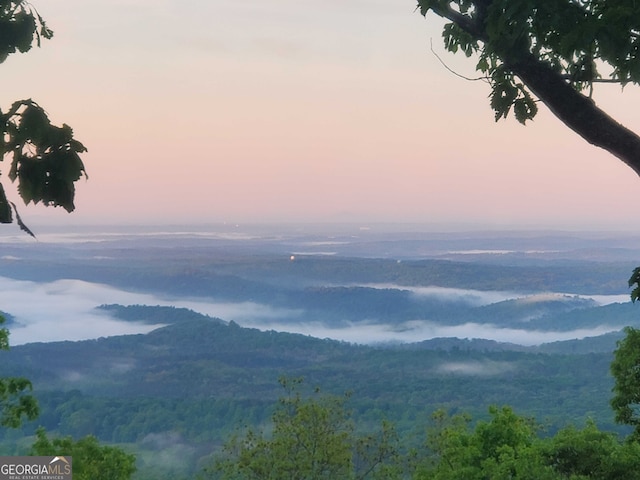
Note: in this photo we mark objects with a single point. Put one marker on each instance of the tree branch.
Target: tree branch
(553, 89)
(463, 21)
(485, 79)
(577, 111)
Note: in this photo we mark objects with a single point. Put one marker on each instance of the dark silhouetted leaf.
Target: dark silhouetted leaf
(5, 208)
(21, 224)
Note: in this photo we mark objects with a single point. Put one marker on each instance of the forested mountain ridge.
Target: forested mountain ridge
(194, 378)
(200, 359)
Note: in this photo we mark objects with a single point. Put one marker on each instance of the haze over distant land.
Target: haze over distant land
(296, 112)
(348, 282)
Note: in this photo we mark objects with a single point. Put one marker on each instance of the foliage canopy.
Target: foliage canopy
(91, 461)
(311, 438)
(43, 158)
(554, 52)
(509, 446)
(16, 403)
(625, 369)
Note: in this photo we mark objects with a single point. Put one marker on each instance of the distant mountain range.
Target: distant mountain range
(413, 323)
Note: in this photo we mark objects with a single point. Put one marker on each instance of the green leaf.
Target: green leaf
(635, 280)
(45, 158)
(21, 224)
(425, 6)
(5, 208)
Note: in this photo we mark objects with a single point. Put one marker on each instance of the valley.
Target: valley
(171, 342)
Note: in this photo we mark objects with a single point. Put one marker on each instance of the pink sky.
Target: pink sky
(290, 110)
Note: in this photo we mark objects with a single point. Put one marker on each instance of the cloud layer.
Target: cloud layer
(65, 310)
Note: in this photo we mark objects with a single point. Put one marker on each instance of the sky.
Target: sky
(302, 111)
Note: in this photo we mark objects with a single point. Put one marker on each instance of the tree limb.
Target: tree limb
(550, 86)
(576, 111)
(449, 69)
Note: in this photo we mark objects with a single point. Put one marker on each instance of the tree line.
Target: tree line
(313, 437)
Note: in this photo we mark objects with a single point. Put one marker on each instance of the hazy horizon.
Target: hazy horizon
(64, 308)
(43, 223)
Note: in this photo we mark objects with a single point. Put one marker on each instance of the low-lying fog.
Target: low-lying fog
(65, 310)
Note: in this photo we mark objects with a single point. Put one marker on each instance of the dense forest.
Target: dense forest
(190, 385)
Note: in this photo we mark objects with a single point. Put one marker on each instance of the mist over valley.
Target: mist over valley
(465, 285)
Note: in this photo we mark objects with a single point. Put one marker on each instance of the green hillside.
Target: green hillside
(202, 364)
